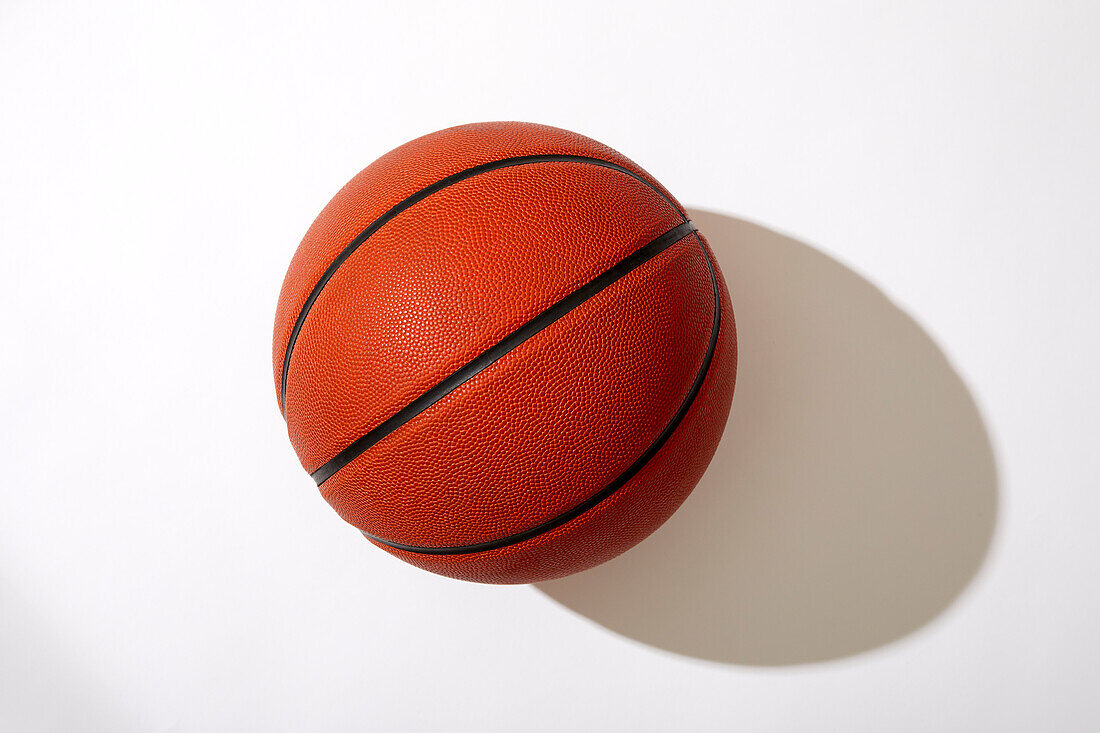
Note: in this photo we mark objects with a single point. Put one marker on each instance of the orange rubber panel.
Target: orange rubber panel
(504, 353)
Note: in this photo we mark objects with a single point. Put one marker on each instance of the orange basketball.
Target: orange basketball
(504, 353)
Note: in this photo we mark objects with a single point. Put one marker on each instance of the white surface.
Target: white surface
(166, 565)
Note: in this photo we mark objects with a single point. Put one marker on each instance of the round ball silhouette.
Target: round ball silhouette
(504, 353)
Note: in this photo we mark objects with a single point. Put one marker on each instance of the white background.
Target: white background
(165, 564)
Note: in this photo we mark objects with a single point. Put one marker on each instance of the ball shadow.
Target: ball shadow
(853, 496)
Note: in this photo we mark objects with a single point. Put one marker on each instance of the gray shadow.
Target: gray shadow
(853, 496)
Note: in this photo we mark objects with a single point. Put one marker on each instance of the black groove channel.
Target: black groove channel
(476, 365)
(420, 195)
(620, 480)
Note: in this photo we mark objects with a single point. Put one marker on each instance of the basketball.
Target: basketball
(504, 353)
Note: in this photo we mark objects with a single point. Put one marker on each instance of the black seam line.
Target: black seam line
(476, 365)
(615, 485)
(420, 195)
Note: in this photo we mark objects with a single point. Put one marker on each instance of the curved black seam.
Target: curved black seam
(480, 362)
(621, 480)
(420, 195)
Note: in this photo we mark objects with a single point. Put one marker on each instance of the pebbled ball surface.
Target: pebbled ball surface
(400, 173)
(569, 410)
(491, 253)
(552, 422)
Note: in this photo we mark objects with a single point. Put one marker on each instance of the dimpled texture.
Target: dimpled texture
(402, 172)
(632, 512)
(491, 252)
(615, 389)
(551, 423)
